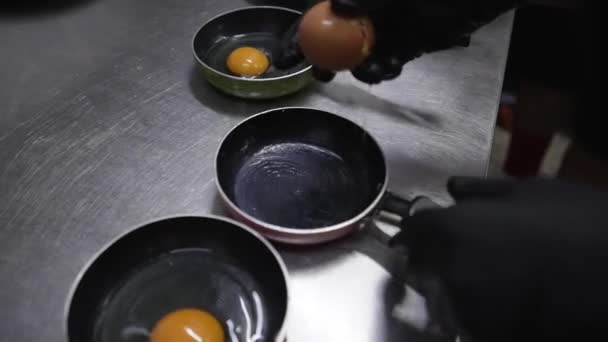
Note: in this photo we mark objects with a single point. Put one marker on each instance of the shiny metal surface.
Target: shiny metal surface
(105, 125)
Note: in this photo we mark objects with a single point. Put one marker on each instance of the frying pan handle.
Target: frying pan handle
(403, 208)
(438, 313)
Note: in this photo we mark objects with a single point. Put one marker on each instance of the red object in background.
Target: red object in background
(506, 116)
(525, 155)
(526, 151)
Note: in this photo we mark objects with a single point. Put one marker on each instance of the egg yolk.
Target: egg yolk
(247, 61)
(188, 325)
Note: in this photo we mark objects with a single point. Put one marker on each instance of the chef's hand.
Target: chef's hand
(287, 54)
(519, 260)
(405, 29)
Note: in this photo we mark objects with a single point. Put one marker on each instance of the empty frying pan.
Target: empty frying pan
(176, 269)
(302, 175)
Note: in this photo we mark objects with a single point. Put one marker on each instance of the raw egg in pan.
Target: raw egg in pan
(188, 325)
(247, 56)
(247, 61)
(182, 296)
(181, 279)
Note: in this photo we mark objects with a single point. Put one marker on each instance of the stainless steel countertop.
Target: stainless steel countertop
(105, 124)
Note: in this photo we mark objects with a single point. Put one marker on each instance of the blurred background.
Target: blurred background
(543, 125)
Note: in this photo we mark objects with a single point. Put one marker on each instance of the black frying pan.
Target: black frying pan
(206, 263)
(260, 27)
(301, 175)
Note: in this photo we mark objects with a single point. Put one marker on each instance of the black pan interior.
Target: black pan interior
(259, 27)
(300, 168)
(186, 262)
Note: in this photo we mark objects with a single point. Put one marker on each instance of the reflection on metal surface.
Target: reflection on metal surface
(412, 310)
(339, 301)
(351, 297)
(113, 134)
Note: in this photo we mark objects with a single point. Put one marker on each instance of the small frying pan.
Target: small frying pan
(260, 27)
(205, 263)
(304, 176)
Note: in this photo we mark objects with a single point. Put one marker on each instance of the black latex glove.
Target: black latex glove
(519, 261)
(405, 29)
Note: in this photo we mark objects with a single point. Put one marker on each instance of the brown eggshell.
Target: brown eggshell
(332, 42)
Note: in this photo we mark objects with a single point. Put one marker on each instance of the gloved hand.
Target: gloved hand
(287, 54)
(405, 29)
(518, 260)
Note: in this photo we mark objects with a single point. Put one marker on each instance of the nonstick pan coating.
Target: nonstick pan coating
(301, 168)
(205, 263)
